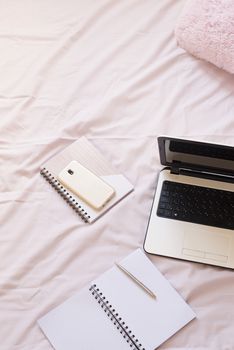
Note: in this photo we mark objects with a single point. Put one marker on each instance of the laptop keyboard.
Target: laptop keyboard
(196, 204)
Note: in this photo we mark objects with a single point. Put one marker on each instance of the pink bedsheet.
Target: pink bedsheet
(109, 70)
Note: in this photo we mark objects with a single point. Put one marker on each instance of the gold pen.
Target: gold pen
(136, 280)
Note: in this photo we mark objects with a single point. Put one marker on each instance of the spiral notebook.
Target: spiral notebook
(114, 313)
(84, 152)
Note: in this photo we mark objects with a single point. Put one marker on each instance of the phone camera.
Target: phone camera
(70, 172)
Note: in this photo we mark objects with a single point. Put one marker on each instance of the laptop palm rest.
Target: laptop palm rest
(206, 245)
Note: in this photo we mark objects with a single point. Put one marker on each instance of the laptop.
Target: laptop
(192, 216)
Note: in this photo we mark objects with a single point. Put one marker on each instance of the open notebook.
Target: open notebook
(85, 153)
(115, 313)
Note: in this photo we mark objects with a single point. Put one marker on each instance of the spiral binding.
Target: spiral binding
(65, 194)
(116, 319)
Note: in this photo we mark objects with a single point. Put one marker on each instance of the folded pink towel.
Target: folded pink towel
(206, 30)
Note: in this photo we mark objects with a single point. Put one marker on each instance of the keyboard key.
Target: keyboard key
(164, 199)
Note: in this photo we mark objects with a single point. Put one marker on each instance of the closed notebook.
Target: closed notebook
(113, 312)
(84, 152)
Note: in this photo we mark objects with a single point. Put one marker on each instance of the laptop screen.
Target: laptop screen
(196, 154)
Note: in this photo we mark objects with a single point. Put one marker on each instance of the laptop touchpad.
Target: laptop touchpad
(206, 245)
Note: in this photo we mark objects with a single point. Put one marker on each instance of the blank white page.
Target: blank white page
(80, 323)
(151, 320)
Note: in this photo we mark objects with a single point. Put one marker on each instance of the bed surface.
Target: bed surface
(111, 71)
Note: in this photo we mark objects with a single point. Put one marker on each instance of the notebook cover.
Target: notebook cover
(85, 153)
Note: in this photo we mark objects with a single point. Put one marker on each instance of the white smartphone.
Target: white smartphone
(86, 185)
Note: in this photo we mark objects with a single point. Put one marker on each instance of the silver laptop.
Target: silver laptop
(192, 215)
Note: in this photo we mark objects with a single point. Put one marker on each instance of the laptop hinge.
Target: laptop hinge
(175, 169)
(178, 169)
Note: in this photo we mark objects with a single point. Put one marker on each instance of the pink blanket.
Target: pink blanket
(206, 30)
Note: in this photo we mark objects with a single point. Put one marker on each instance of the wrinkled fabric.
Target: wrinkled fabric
(111, 71)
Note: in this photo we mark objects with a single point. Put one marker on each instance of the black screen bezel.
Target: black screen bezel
(162, 153)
